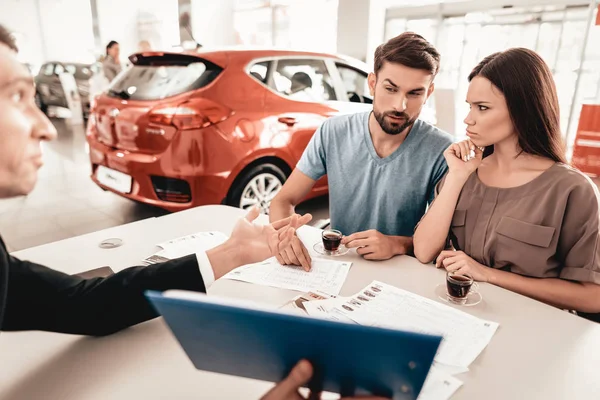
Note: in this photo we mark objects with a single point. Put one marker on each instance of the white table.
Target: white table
(538, 352)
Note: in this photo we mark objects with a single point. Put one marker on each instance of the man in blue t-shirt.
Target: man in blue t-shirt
(382, 166)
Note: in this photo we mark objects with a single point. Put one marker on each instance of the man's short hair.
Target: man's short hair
(7, 38)
(410, 50)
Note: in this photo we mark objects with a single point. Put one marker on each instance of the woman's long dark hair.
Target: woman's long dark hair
(110, 45)
(528, 87)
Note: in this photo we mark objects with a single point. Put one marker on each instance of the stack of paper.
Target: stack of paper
(379, 304)
(186, 245)
(326, 276)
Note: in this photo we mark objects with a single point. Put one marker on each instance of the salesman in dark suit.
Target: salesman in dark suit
(34, 297)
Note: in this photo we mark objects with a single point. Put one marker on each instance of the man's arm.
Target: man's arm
(293, 191)
(311, 166)
(40, 298)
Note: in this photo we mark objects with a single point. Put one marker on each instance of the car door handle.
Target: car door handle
(289, 121)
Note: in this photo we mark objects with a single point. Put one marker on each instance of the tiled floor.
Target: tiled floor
(66, 203)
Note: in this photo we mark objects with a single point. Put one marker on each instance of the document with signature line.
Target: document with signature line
(327, 276)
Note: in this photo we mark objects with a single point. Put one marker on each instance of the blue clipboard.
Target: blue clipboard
(226, 336)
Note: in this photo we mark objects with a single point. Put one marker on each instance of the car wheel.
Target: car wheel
(257, 186)
(40, 104)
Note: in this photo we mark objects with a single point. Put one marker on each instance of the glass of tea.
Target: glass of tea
(331, 239)
(458, 286)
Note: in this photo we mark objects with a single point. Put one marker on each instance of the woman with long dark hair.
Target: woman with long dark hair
(517, 215)
(111, 64)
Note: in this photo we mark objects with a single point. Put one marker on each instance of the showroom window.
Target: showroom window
(555, 32)
(282, 23)
(304, 80)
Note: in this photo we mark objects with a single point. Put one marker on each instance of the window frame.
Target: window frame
(337, 84)
(357, 70)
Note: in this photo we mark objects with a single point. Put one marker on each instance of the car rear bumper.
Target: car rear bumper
(203, 188)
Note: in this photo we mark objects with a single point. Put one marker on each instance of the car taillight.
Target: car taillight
(180, 117)
(193, 114)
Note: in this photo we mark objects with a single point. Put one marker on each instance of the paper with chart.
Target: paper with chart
(186, 245)
(326, 276)
(379, 304)
(296, 305)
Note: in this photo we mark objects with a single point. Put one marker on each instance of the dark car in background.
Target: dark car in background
(49, 91)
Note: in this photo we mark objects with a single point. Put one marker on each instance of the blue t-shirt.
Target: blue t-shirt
(368, 192)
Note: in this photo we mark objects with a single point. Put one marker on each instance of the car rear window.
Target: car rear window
(154, 78)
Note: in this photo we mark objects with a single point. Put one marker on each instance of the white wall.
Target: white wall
(360, 28)
(21, 17)
(377, 12)
(313, 25)
(353, 28)
(43, 33)
(67, 29)
(130, 21)
(212, 22)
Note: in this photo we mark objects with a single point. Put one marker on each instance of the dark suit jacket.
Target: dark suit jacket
(34, 297)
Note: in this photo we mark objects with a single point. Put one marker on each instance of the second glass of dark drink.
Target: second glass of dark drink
(458, 287)
(331, 239)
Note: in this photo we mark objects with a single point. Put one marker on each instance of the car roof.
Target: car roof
(222, 56)
(261, 52)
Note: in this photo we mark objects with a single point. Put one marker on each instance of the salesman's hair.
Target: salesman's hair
(7, 38)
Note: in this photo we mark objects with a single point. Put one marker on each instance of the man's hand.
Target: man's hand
(287, 389)
(251, 243)
(295, 254)
(374, 245)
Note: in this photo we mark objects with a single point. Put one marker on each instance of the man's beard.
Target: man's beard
(392, 128)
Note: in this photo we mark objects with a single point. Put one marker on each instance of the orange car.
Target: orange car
(181, 130)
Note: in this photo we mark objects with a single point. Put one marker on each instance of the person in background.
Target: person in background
(517, 214)
(144, 46)
(111, 64)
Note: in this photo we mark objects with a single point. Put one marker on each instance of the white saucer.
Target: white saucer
(319, 248)
(473, 298)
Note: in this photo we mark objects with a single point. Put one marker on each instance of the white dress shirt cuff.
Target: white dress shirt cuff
(206, 270)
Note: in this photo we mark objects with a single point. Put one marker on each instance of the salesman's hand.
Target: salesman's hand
(251, 242)
(295, 253)
(287, 389)
(259, 242)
